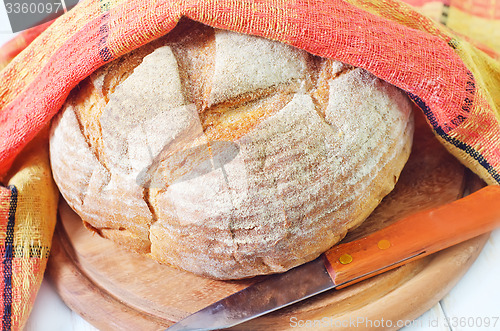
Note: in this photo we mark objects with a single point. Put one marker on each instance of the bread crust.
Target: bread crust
(228, 155)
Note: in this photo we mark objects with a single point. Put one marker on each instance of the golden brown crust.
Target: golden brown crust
(228, 155)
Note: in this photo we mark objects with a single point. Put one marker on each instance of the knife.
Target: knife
(406, 240)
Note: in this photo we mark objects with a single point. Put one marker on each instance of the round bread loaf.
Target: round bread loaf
(228, 155)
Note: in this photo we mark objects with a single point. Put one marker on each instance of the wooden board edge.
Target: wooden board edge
(109, 313)
(103, 311)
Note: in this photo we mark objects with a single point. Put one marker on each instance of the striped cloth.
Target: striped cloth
(28, 208)
(442, 53)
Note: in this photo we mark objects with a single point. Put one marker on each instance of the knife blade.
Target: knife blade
(408, 239)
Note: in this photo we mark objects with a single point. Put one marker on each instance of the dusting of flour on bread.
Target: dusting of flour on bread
(229, 155)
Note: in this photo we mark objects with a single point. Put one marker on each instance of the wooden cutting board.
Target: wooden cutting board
(115, 289)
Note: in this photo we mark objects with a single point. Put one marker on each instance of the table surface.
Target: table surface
(473, 304)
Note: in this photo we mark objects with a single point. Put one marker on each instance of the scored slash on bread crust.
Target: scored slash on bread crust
(228, 155)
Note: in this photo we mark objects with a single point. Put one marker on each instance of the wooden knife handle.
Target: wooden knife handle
(414, 237)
